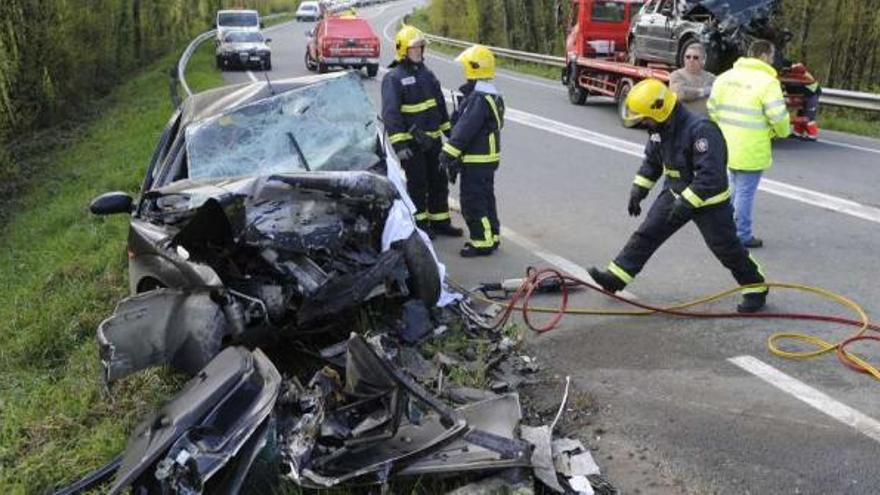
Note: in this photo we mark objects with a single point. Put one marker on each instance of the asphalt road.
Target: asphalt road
(687, 406)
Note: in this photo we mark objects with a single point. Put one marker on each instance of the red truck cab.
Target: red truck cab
(599, 28)
(342, 40)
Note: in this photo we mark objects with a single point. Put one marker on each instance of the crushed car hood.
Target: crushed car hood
(750, 14)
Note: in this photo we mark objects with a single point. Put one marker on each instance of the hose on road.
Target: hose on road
(521, 301)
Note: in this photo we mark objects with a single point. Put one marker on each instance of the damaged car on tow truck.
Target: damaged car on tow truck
(271, 212)
(664, 29)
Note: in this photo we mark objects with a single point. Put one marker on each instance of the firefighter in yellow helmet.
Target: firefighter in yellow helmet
(415, 116)
(689, 150)
(474, 150)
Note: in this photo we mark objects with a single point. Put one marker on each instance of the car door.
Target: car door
(657, 29)
(665, 29)
(643, 30)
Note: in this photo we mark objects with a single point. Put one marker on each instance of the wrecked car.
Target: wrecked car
(664, 29)
(265, 207)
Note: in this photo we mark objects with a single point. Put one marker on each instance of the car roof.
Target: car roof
(217, 101)
(247, 11)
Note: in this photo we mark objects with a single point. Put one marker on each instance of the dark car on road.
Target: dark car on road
(244, 49)
(664, 29)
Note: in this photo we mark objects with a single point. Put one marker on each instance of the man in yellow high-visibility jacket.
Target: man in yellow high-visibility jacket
(748, 105)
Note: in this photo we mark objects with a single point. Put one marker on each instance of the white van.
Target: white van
(239, 20)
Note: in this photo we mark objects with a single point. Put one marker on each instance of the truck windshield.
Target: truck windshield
(326, 126)
(609, 11)
(238, 19)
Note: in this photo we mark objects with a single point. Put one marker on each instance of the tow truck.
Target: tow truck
(599, 62)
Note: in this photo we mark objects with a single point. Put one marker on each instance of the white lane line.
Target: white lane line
(823, 403)
(563, 263)
(252, 76)
(849, 146)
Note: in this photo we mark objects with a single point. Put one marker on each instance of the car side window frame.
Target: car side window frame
(161, 151)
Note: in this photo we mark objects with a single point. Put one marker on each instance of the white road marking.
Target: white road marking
(849, 146)
(803, 392)
(561, 262)
(252, 76)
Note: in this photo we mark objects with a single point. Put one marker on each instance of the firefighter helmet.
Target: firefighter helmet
(649, 99)
(478, 62)
(408, 37)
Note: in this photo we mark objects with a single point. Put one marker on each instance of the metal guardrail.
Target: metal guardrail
(830, 96)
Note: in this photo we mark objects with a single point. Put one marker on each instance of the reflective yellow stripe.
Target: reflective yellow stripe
(494, 110)
(445, 126)
(438, 217)
(481, 158)
(758, 266)
(740, 110)
(421, 216)
(777, 115)
(487, 241)
(675, 174)
(496, 239)
(451, 150)
(755, 290)
(418, 107)
(434, 134)
(400, 136)
(492, 150)
(698, 202)
(813, 87)
(643, 182)
(620, 273)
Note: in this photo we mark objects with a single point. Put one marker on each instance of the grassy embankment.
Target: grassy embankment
(858, 122)
(61, 272)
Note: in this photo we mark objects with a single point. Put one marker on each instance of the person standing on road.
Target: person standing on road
(689, 150)
(747, 104)
(474, 150)
(415, 116)
(691, 83)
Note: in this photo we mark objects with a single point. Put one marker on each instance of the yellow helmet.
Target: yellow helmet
(408, 37)
(649, 99)
(478, 62)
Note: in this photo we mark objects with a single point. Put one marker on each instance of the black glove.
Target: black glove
(681, 211)
(404, 153)
(636, 195)
(422, 140)
(451, 166)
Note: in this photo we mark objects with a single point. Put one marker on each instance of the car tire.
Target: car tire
(623, 90)
(424, 277)
(322, 68)
(267, 64)
(576, 94)
(372, 70)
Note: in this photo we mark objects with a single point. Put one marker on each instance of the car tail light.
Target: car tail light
(332, 46)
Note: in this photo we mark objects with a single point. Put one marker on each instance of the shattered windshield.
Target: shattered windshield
(327, 126)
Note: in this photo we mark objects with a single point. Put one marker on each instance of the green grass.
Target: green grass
(858, 122)
(61, 272)
(279, 20)
(202, 73)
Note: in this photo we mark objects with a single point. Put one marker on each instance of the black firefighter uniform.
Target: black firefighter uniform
(475, 142)
(415, 117)
(690, 152)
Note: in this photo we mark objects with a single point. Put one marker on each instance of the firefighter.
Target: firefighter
(748, 105)
(415, 116)
(689, 150)
(474, 150)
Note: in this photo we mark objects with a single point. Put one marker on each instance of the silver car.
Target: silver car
(244, 49)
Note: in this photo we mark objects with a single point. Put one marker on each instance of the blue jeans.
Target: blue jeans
(743, 186)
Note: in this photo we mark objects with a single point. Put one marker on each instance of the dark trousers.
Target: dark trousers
(478, 204)
(427, 185)
(717, 227)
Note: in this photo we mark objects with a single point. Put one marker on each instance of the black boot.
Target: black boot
(606, 279)
(752, 302)
(446, 229)
(425, 227)
(471, 251)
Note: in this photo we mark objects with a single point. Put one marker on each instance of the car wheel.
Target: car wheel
(424, 277)
(576, 94)
(622, 92)
(372, 70)
(267, 64)
(322, 68)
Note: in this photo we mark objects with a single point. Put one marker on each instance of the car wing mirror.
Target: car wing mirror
(111, 203)
(268, 40)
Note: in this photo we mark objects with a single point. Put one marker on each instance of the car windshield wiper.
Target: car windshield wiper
(299, 151)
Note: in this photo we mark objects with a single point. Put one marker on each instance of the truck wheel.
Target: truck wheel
(424, 278)
(372, 70)
(622, 92)
(576, 94)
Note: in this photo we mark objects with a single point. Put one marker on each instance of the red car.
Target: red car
(342, 40)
